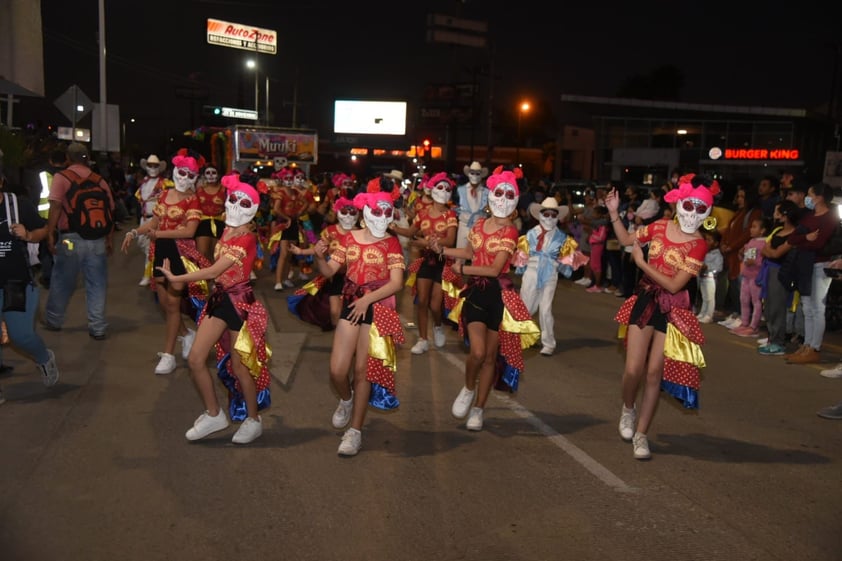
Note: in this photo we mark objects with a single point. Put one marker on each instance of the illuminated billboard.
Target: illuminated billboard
(369, 117)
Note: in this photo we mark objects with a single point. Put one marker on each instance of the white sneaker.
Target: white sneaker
(439, 338)
(462, 403)
(547, 351)
(763, 341)
(342, 415)
(303, 276)
(49, 370)
(835, 372)
(206, 425)
(584, 281)
(421, 347)
(627, 420)
(144, 281)
(252, 276)
(187, 342)
(249, 431)
(474, 419)
(351, 442)
(166, 365)
(289, 284)
(705, 319)
(726, 321)
(279, 286)
(641, 446)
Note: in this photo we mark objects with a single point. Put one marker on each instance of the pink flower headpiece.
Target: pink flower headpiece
(341, 203)
(686, 190)
(440, 177)
(283, 173)
(370, 200)
(339, 178)
(232, 183)
(182, 159)
(502, 178)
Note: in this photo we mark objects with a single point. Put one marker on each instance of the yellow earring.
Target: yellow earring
(709, 223)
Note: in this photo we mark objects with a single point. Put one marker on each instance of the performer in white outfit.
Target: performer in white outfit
(472, 199)
(147, 193)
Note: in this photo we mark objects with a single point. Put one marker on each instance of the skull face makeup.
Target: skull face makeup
(152, 170)
(211, 175)
(299, 180)
(377, 219)
(239, 209)
(441, 192)
(691, 213)
(347, 217)
(548, 220)
(502, 200)
(184, 179)
(474, 177)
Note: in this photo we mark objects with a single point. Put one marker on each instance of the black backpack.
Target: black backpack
(88, 206)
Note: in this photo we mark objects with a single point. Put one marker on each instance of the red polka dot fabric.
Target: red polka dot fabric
(388, 324)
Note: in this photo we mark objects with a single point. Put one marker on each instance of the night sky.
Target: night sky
(779, 54)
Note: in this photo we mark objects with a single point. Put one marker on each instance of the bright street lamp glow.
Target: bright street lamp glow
(524, 107)
(251, 64)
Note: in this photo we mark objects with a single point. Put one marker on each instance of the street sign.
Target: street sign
(447, 29)
(70, 102)
(234, 113)
(245, 37)
(69, 133)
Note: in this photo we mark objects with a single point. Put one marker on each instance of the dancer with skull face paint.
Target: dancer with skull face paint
(308, 302)
(369, 325)
(490, 311)
(148, 193)
(242, 354)
(472, 199)
(172, 228)
(435, 222)
(288, 204)
(662, 335)
(212, 204)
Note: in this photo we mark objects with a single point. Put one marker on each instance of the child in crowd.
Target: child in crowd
(597, 238)
(707, 276)
(751, 260)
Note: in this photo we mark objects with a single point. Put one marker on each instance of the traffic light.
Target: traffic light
(426, 144)
(213, 110)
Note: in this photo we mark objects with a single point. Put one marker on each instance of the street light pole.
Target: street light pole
(523, 108)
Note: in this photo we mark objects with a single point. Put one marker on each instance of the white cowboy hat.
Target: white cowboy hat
(395, 174)
(153, 159)
(476, 166)
(550, 203)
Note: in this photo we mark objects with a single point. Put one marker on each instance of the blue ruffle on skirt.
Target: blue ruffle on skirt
(237, 410)
(382, 399)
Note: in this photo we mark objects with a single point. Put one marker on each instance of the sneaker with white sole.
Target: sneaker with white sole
(144, 281)
(641, 446)
(421, 347)
(439, 337)
(627, 420)
(250, 430)
(474, 419)
(289, 284)
(342, 415)
(835, 372)
(462, 403)
(762, 341)
(279, 286)
(351, 442)
(206, 425)
(187, 342)
(49, 370)
(166, 365)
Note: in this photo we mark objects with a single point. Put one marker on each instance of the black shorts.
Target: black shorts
(165, 248)
(204, 230)
(484, 303)
(346, 311)
(334, 285)
(657, 320)
(291, 233)
(431, 269)
(223, 309)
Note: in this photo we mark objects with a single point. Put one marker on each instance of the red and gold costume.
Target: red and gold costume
(682, 349)
(367, 268)
(517, 330)
(251, 345)
(430, 227)
(175, 216)
(212, 206)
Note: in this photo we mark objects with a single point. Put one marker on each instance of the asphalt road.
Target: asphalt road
(97, 468)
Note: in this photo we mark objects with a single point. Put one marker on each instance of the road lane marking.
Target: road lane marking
(595, 468)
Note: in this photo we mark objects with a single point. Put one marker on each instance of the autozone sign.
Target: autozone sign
(239, 36)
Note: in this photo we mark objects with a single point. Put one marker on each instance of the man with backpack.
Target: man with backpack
(81, 226)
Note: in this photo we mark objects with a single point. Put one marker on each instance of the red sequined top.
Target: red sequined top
(172, 216)
(293, 202)
(669, 257)
(486, 246)
(430, 226)
(211, 205)
(367, 263)
(242, 250)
